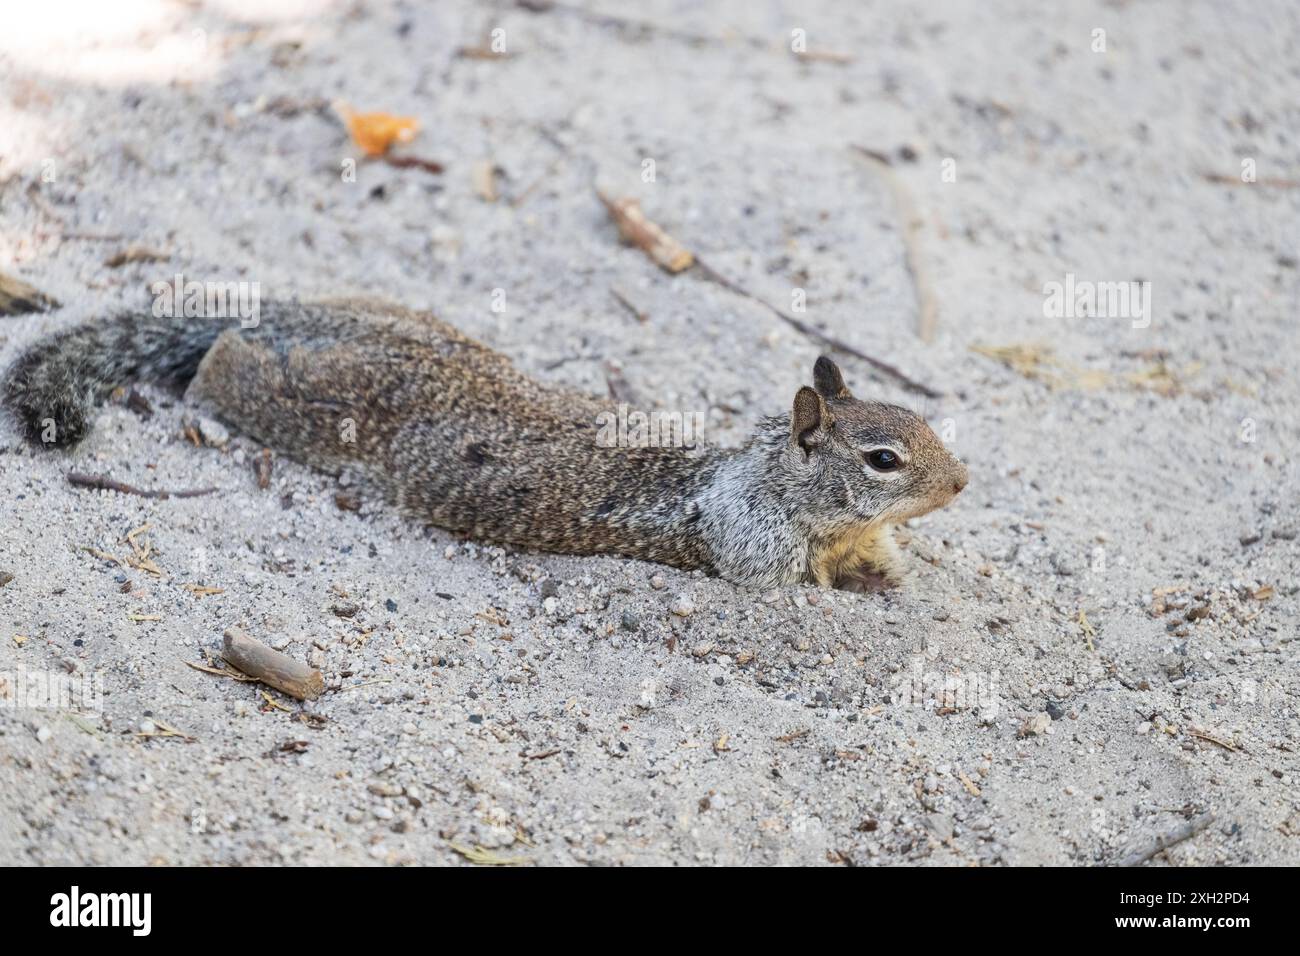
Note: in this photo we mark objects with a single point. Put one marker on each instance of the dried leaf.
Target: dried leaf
(375, 133)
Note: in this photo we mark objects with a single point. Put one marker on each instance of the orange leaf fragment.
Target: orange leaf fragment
(375, 133)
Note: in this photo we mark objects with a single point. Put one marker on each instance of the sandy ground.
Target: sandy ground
(1099, 637)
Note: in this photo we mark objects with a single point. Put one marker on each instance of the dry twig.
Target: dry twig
(926, 303)
(280, 671)
(104, 483)
(1165, 840)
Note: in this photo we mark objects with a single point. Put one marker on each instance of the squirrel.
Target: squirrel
(450, 432)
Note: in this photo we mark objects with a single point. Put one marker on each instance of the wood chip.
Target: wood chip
(484, 175)
(18, 298)
(136, 253)
(669, 254)
(252, 657)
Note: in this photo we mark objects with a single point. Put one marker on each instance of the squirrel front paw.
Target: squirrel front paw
(871, 578)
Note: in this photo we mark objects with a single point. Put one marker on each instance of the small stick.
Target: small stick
(825, 56)
(793, 735)
(222, 672)
(669, 254)
(1276, 183)
(87, 236)
(1210, 738)
(136, 253)
(1165, 840)
(262, 469)
(969, 784)
(414, 162)
(18, 297)
(1088, 630)
(519, 200)
(627, 303)
(102, 555)
(619, 388)
(927, 308)
(803, 327)
(277, 670)
(104, 483)
(637, 27)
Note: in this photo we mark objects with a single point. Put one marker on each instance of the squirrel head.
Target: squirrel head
(864, 461)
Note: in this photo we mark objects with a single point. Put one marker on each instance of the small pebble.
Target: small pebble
(1035, 725)
(682, 606)
(213, 432)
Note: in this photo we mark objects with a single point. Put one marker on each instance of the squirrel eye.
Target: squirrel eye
(882, 459)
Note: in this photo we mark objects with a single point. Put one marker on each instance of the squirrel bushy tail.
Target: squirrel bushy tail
(60, 380)
(54, 385)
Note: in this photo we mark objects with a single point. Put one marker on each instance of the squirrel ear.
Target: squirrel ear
(809, 418)
(829, 381)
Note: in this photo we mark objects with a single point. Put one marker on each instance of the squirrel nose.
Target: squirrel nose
(959, 481)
